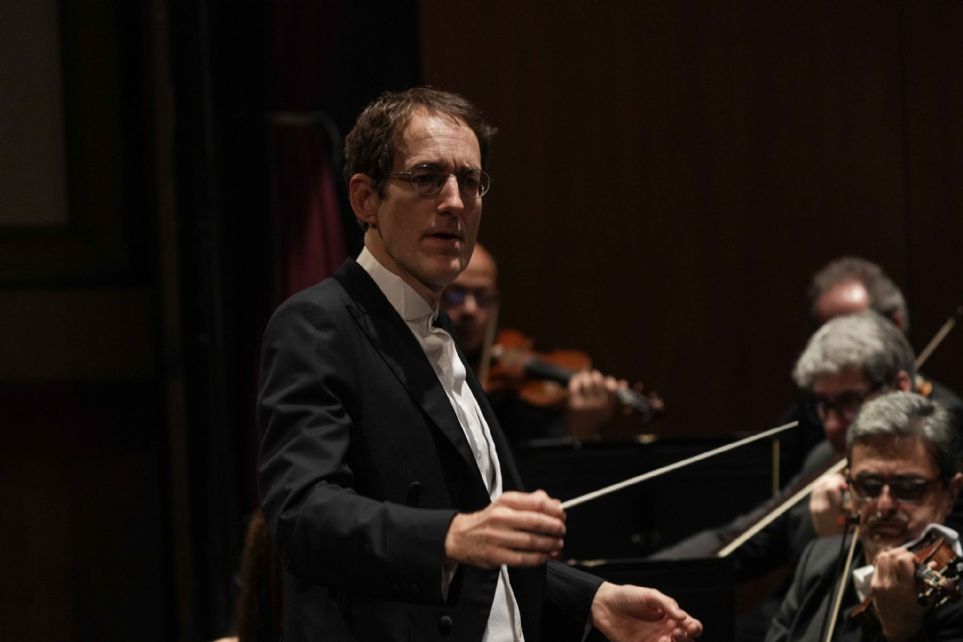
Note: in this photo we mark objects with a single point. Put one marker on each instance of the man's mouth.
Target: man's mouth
(446, 236)
(888, 527)
(888, 530)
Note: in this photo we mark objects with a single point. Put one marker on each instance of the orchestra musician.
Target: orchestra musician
(903, 475)
(388, 485)
(846, 362)
(849, 285)
(471, 302)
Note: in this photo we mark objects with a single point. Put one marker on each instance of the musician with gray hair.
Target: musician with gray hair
(848, 361)
(850, 285)
(903, 455)
(827, 368)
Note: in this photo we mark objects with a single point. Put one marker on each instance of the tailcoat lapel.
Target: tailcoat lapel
(394, 341)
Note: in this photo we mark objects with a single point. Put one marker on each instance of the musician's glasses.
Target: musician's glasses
(455, 296)
(904, 488)
(846, 405)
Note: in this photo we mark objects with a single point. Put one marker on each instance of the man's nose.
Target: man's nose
(449, 198)
(832, 422)
(885, 501)
(470, 305)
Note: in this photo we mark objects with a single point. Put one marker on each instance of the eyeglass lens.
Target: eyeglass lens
(847, 404)
(455, 296)
(428, 181)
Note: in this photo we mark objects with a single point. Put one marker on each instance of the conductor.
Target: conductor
(388, 485)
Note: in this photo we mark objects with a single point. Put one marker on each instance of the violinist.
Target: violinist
(850, 285)
(848, 361)
(903, 475)
(471, 302)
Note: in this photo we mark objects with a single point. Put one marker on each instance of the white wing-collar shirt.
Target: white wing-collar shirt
(504, 621)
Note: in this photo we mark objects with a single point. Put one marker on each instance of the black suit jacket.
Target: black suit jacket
(363, 465)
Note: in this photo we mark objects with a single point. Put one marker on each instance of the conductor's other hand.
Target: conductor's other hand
(640, 614)
(517, 529)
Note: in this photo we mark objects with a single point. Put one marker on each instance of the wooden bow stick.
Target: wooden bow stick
(937, 338)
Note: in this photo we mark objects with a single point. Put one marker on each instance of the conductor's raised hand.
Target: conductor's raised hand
(517, 529)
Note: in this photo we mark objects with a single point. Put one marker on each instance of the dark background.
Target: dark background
(667, 177)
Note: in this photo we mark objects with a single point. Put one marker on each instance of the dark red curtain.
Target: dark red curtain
(309, 237)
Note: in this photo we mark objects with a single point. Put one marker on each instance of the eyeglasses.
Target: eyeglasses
(428, 180)
(846, 405)
(455, 296)
(904, 488)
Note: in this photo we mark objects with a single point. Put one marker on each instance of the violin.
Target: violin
(938, 573)
(540, 379)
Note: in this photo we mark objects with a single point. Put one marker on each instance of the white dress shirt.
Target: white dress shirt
(504, 621)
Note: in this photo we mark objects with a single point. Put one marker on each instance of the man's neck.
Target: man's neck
(424, 291)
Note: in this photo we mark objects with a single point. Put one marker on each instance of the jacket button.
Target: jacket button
(413, 496)
(444, 625)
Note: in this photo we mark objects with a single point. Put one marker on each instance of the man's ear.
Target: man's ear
(903, 381)
(956, 483)
(898, 320)
(364, 199)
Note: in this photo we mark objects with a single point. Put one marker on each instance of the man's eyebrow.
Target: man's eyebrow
(443, 166)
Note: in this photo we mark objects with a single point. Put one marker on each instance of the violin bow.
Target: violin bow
(674, 466)
(485, 364)
(833, 614)
(937, 338)
(779, 510)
